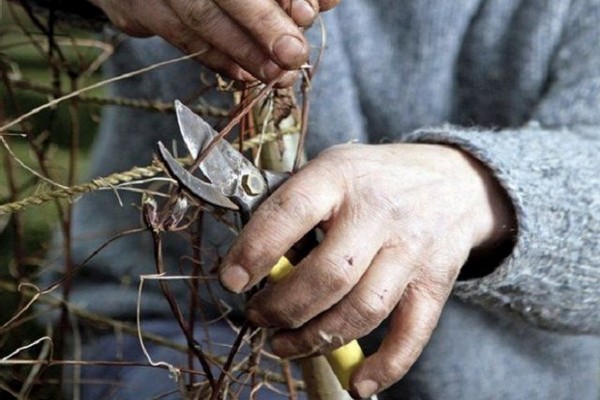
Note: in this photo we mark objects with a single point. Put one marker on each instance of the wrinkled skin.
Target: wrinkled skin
(399, 220)
(245, 40)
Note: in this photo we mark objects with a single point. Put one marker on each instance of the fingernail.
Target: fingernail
(303, 12)
(366, 388)
(289, 51)
(235, 278)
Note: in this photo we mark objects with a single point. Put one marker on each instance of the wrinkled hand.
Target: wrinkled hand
(243, 39)
(399, 221)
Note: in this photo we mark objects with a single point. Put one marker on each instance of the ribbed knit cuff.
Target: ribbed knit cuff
(551, 176)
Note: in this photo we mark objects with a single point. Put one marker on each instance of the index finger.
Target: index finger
(272, 28)
(284, 218)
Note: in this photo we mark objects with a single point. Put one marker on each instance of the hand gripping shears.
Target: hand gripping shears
(228, 180)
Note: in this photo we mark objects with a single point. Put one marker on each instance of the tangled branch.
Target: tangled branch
(112, 180)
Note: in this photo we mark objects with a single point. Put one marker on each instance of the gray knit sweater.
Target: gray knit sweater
(514, 83)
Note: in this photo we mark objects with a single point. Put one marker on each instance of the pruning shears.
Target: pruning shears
(228, 180)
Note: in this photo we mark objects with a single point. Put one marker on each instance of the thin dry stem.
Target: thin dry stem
(236, 373)
(25, 347)
(74, 94)
(175, 372)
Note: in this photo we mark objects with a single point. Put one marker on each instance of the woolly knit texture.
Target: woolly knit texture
(514, 83)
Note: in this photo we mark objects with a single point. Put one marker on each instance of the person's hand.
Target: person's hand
(399, 222)
(246, 40)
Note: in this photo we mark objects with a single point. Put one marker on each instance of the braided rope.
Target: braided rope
(206, 110)
(73, 191)
(117, 178)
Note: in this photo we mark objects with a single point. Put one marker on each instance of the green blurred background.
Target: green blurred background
(24, 63)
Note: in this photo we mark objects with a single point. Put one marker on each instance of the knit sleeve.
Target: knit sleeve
(550, 169)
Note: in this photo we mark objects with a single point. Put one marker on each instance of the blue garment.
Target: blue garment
(144, 382)
(514, 83)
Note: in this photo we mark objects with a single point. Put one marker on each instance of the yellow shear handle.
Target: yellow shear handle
(343, 360)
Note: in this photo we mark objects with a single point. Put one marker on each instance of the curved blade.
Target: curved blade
(195, 131)
(224, 165)
(205, 191)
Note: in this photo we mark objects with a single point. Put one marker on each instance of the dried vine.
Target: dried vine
(259, 114)
(110, 181)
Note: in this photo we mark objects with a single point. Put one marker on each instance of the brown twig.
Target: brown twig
(192, 344)
(257, 343)
(159, 106)
(306, 78)
(232, 123)
(226, 367)
(194, 298)
(287, 372)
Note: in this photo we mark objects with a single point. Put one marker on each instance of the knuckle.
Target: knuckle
(338, 151)
(336, 160)
(181, 38)
(369, 309)
(249, 250)
(267, 20)
(289, 322)
(433, 291)
(247, 52)
(409, 250)
(395, 367)
(191, 12)
(254, 254)
(278, 314)
(293, 204)
(430, 288)
(291, 318)
(446, 268)
(337, 271)
(424, 326)
(264, 21)
(386, 204)
(326, 341)
(200, 14)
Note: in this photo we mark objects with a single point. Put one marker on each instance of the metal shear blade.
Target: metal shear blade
(224, 165)
(232, 181)
(196, 186)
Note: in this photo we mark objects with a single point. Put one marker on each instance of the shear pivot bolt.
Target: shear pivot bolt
(253, 185)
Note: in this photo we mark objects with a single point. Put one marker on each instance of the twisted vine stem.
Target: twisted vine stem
(205, 110)
(73, 191)
(118, 178)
